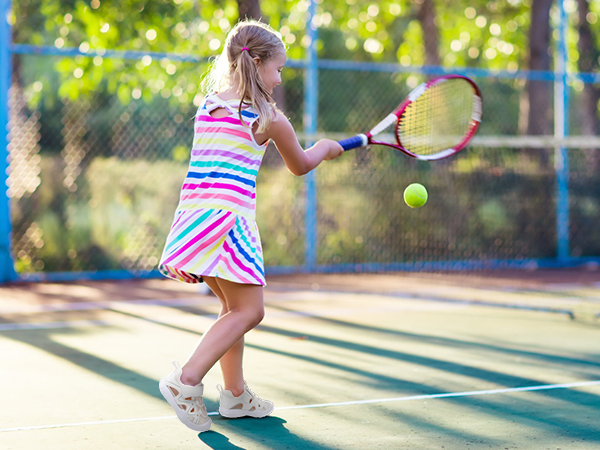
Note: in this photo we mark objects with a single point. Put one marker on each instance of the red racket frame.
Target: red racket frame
(367, 138)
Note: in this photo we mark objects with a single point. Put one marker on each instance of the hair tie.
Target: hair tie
(246, 48)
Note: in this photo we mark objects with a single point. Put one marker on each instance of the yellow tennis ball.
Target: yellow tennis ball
(415, 195)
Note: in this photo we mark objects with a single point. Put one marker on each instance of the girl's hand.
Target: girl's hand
(335, 150)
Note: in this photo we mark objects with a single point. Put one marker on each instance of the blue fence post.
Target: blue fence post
(561, 129)
(7, 269)
(311, 110)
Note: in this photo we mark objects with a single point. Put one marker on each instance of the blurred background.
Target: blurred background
(98, 99)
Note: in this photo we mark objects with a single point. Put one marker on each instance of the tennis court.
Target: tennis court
(394, 361)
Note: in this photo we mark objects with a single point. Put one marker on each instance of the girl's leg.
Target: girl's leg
(243, 310)
(231, 362)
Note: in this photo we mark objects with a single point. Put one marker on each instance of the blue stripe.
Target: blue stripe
(246, 255)
(250, 183)
(249, 114)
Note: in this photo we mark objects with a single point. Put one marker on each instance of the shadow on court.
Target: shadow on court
(49, 341)
(343, 371)
(553, 423)
(270, 432)
(102, 367)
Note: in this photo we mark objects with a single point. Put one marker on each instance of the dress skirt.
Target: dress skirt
(213, 243)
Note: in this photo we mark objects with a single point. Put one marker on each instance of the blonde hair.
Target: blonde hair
(236, 67)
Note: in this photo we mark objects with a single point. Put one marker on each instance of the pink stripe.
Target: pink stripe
(235, 272)
(204, 232)
(224, 130)
(207, 243)
(229, 198)
(195, 251)
(209, 118)
(228, 187)
(239, 263)
(226, 154)
(232, 270)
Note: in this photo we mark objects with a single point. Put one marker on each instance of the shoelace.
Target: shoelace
(251, 392)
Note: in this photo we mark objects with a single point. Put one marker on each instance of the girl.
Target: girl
(214, 237)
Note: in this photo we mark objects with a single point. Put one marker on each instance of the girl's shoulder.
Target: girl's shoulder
(232, 105)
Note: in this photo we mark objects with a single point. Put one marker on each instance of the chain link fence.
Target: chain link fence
(94, 179)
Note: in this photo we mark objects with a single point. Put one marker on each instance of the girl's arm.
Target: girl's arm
(297, 160)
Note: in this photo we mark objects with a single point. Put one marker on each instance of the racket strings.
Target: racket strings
(440, 119)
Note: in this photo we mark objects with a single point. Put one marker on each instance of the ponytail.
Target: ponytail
(236, 66)
(253, 90)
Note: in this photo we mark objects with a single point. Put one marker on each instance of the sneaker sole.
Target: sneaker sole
(237, 413)
(181, 415)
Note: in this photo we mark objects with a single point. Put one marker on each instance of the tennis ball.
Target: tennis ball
(415, 195)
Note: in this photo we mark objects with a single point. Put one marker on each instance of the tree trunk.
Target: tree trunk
(588, 62)
(540, 92)
(431, 34)
(249, 9)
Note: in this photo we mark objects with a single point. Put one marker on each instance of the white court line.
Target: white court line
(326, 405)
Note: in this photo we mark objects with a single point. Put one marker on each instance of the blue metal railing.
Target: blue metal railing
(311, 111)
(7, 270)
(561, 129)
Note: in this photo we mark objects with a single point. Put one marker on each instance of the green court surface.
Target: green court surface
(396, 361)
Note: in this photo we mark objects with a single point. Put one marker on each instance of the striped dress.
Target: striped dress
(214, 232)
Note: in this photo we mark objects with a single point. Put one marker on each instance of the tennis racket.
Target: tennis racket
(436, 120)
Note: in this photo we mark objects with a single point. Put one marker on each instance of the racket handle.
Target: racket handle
(360, 140)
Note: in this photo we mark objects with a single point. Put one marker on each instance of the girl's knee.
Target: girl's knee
(253, 316)
(256, 316)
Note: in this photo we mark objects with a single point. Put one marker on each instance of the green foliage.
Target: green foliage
(479, 207)
(179, 26)
(130, 213)
(280, 216)
(480, 213)
(482, 34)
(117, 219)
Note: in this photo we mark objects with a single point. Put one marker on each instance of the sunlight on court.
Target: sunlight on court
(342, 359)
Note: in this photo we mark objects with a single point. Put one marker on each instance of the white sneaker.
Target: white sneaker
(185, 400)
(247, 404)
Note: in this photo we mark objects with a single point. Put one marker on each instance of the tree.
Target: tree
(249, 9)
(191, 27)
(426, 15)
(588, 62)
(540, 92)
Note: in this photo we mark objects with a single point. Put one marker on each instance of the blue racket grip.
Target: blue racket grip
(360, 140)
